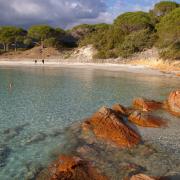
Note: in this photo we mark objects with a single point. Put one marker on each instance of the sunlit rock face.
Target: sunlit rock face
(146, 105)
(173, 103)
(107, 125)
(146, 120)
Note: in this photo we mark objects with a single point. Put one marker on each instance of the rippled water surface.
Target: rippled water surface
(42, 102)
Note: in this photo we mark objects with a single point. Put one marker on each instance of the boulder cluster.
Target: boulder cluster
(115, 127)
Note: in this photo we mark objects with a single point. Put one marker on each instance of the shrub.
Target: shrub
(171, 52)
(168, 31)
(136, 42)
(133, 21)
(51, 42)
(169, 28)
(102, 54)
(28, 43)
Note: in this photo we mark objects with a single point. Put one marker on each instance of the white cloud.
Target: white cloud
(26, 8)
(66, 13)
(62, 13)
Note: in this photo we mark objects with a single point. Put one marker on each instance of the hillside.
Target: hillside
(33, 53)
(129, 34)
(51, 53)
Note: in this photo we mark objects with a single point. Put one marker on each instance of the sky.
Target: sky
(67, 13)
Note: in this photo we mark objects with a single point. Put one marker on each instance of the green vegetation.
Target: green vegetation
(10, 35)
(40, 33)
(136, 42)
(133, 21)
(168, 31)
(134, 32)
(13, 37)
(131, 32)
(164, 7)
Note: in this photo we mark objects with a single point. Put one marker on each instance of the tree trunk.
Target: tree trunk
(4, 46)
(7, 47)
(42, 43)
(15, 44)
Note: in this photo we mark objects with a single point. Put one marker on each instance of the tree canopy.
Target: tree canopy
(169, 30)
(133, 21)
(164, 7)
(41, 32)
(11, 34)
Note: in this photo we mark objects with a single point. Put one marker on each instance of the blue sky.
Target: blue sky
(120, 6)
(67, 13)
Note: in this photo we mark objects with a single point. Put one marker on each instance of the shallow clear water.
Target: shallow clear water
(43, 101)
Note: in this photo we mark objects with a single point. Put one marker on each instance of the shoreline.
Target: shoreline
(125, 67)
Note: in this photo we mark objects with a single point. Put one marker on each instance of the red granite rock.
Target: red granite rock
(107, 125)
(146, 120)
(146, 105)
(173, 103)
(71, 168)
(122, 110)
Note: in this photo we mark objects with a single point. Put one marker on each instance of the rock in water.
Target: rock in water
(107, 125)
(33, 169)
(4, 153)
(173, 103)
(71, 168)
(122, 110)
(36, 138)
(146, 120)
(146, 105)
(12, 132)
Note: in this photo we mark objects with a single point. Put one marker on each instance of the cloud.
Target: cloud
(67, 13)
(64, 13)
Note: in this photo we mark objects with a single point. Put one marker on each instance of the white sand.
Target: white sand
(141, 69)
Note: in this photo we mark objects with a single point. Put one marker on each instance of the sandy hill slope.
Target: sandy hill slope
(82, 53)
(33, 53)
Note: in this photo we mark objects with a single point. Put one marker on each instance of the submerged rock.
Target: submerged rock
(173, 103)
(12, 132)
(85, 150)
(107, 125)
(146, 120)
(146, 105)
(4, 153)
(33, 169)
(71, 168)
(36, 138)
(56, 132)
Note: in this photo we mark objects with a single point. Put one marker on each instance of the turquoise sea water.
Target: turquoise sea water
(43, 101)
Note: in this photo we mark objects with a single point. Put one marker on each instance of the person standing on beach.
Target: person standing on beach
(43, 61)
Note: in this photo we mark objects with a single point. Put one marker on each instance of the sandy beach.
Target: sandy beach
(54, 63)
